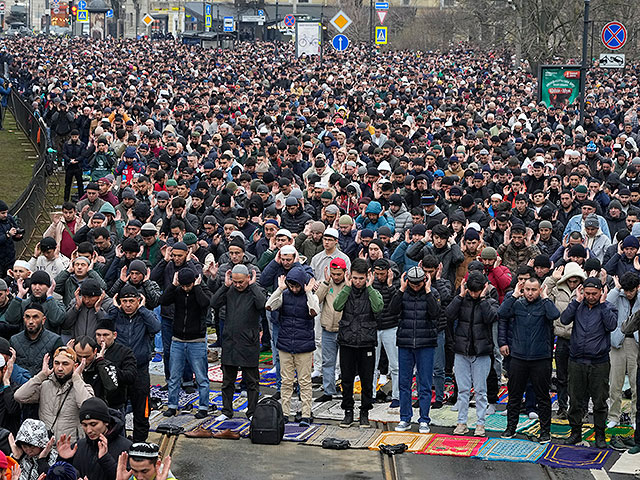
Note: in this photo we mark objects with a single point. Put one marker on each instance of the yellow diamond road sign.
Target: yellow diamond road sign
(147, 19)
(341, 21)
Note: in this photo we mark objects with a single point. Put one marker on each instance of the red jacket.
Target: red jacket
(500, 278)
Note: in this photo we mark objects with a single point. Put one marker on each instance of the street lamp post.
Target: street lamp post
(583, 67)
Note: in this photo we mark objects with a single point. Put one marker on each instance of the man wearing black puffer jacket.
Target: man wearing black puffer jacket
(190, 298)
(387, 284)
(96, 455)
(417, 338)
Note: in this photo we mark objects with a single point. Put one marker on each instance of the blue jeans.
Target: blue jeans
(329, 361)
(275, 328)
(422, 359)
(472, 371)
(438, 368)
(167, 333)
(195, 354)
(387, 338)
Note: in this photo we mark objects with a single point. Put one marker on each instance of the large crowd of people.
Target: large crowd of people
(382, 217)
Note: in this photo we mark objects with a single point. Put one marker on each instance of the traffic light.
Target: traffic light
(73, 9)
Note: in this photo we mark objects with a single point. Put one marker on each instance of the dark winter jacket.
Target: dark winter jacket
(190, 310)
(135, 331)
(358, 326)
(241, 332)
(527, 327)
(474, 320)
(418, 327)
(123, 359)
(102, 375)
(296, 334)
(450, 256)
(29, 353)
(7, 248)
(387, 317)
(295, 223)
(86, 459)
(591, 333)
(163, 274)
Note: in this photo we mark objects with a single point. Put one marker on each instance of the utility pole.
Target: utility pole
(583, 67)
(518, 10)
(371, 35)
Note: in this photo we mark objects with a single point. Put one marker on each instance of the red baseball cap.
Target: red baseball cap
(338, 263)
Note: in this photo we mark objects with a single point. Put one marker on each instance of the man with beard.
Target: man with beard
(58, 392)
(34, 342)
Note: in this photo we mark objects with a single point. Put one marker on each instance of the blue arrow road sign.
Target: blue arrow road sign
(261, 13)
(382, 5)
(340, 42)
(82, 5)
(207, 9)
(109, 14)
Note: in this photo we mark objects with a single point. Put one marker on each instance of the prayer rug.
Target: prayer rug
(239, 403)
(511, 450)
(293, 432)
(453, 445)
(627, 463)
(620, 431)
(215, 374)
(559, 429)
(238, 425)
(565, 456)
(503, 396)
(498, 423)
(184, 399)
(358, 437)
(445, 417)
(266, 357)
(266, 379)
(414, 441)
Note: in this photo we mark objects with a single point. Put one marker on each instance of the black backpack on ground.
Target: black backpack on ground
(267, 424)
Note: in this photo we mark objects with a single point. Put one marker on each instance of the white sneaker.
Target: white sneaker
(491, 409)
(357, 379)
(612, 423)
(461, 429)
(424, 427)
(383, 380)
(315, 374)
(455, 407)
(403, 426)
(221, 418)
(272, 371)
(533, 416)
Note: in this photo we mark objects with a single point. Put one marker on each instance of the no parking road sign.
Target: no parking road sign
(614, 35)
(289, 21)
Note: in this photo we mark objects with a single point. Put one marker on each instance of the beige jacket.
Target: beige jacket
(49, 394)
(327, 293)
(561, 295)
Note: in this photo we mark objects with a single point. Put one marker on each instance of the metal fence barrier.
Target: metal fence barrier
(33, 201)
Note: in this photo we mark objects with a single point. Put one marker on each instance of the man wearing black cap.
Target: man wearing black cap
(175, 259)
(97, 453)
(90, 306)
(431, 211)
(73, 156)
(135, 324)
(190, 300)
(472, 212)
(121, 357)
(137, 275)
(126, 253)
(36, 289)
(47, 257)
(593, 318)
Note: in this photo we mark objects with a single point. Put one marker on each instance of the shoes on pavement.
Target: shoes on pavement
(573, 439)
(544, 438)
(634, 450)
(618, 444)
(189, 389)
(202, 414)
(348, 419)
(461, 429)
(479, 432)
(601, 441)
(227, 435)
(437, 404)
(424, 427)
(403, 427)
(170, 412)
(297, 418)
(199, 433)
(395, 404)
(164, 387)
(533, 416)
(221, 418)
(612, 423)
(364, 419)
(324, 398)
(305, 422)
(212, 356)
(509, 433)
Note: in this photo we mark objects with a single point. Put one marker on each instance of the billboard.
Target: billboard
(559, 85)
(307, 38)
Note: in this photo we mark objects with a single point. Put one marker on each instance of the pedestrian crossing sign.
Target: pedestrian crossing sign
(381, 35)
(83, 16)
